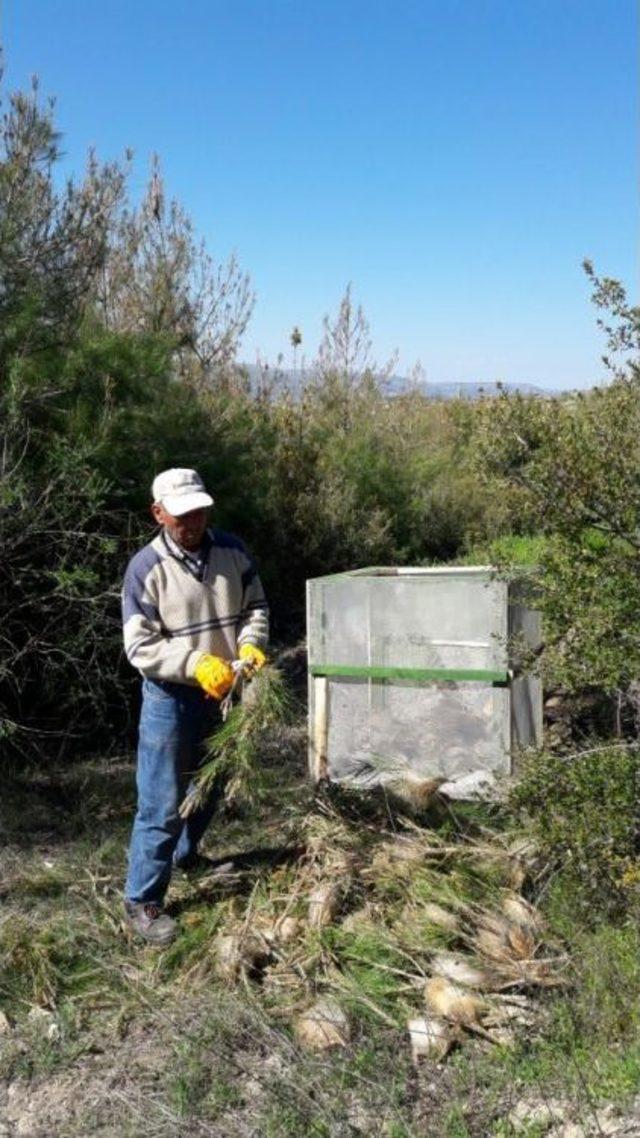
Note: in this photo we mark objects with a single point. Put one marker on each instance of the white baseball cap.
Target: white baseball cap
(178, 491)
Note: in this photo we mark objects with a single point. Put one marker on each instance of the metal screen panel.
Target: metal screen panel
(379, 730)
(422, 620)
(439, 621)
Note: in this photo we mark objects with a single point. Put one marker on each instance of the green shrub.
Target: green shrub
(573, 465)
(584, 812)
(89, 411)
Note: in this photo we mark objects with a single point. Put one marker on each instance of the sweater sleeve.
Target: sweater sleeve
(253, 626)
(147, 645)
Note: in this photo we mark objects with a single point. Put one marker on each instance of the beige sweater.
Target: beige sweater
(174, 610)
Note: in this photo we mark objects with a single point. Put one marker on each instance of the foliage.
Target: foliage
(620, 324)
(117, 339)
(180, 1040)
(583, 809)
(159, 279)
(52, 497)
(605, 1005)
(344, 355)
(586, 1054)
(523, 551)
(118, 334)
(52, 243)
(343, 476)
(576, 462)
(90, 409)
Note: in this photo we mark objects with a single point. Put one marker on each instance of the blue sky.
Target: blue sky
(453, 159)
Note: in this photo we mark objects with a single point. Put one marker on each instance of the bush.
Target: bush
(89, 411)
(343, 477)
(573, 463)
(584, 812)
(117, 339)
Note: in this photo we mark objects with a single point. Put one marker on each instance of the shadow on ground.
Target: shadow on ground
(53, 806)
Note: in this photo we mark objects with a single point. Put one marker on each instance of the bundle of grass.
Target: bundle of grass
(523, 861)
(342, 819)
(509, 938)
(404, 789)
(458, 1012)
(232, 755)
(284, 930)
(521, 912)
(461, 970)
(442, 918)
(413, 794)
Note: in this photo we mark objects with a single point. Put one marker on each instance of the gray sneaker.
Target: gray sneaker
(148, 920)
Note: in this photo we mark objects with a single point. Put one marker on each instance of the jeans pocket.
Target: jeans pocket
(153, 690)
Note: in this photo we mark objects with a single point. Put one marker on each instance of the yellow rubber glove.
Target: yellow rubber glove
(215, 675)
(254, 657)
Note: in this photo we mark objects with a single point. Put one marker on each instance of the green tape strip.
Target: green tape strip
(373, 673)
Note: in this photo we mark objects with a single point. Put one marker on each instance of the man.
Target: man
(192, 603)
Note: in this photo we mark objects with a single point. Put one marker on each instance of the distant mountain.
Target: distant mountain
(398, 385)
(401, 385)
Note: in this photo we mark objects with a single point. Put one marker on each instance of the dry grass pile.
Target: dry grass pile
(423, 928)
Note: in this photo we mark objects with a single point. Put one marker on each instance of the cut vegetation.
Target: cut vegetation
(355, 972)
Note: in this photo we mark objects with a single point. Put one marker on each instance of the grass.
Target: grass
(598, 1028)
(190, 1054)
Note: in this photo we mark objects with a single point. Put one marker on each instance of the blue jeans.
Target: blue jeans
(174, 720)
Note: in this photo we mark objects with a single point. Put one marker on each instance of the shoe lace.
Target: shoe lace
(152, 911)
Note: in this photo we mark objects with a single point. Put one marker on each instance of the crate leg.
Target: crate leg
(320, 760)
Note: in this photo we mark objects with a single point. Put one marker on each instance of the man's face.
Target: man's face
(187, 530)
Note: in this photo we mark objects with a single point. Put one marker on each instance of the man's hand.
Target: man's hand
(215, 675)
(253, 658)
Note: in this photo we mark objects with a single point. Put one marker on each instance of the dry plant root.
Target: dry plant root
(431, 1038)
(322, 1026)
